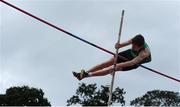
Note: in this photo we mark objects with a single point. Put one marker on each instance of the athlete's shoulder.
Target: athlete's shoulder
(144, 53)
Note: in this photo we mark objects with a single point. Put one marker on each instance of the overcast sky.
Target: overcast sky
(37, 55)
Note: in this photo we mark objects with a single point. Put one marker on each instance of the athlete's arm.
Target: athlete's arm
(117, 45)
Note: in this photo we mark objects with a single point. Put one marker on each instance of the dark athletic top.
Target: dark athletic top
(136, 53)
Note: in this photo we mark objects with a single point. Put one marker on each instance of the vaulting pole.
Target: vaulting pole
(115, 61)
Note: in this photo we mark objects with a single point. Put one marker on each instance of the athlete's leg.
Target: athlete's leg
(106, 71)
(102, 65)
(96, 68)
(103, 68)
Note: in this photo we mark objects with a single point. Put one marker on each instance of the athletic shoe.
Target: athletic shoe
(80, 75)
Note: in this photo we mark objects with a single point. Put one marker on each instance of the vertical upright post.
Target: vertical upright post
(115, 61)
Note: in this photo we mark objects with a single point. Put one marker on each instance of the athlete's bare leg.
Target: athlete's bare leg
(102, 65)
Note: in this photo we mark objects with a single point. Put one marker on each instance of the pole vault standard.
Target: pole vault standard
(115, 61)
(70, 34)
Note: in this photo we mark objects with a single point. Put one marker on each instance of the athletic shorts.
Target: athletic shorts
(127, 54)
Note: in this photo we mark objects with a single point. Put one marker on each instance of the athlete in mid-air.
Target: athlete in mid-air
(138, 54)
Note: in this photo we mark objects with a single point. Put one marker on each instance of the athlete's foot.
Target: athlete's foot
(77, 75)
(80, 75)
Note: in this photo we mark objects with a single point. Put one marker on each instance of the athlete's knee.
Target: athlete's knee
(118, 68)
(109, 69)
(108, 63)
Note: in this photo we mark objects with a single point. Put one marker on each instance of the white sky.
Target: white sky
(37, 55)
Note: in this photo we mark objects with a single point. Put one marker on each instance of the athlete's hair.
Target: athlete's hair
(138, 40)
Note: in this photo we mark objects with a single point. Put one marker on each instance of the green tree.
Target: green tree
(89, 95)
(23, 96)
(158, 98)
